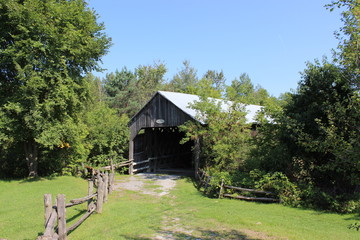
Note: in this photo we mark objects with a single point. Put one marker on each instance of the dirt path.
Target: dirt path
(159, 186)
(148, 183)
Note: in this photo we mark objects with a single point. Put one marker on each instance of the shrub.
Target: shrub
(278, 183)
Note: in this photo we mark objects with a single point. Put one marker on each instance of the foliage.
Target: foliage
(224, 134)
(349, 40)
(150, 80)
(279, 184)
(184, 80)
(242, 90)
(355, 226)
(322, 122)
(46, 46)
(107, 137)
(120, 88)
(315, 139)
(128, 91)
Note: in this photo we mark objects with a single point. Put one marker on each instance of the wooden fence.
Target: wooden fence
(204, 181)
(55, 217)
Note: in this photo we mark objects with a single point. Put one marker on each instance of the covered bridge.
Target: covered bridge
(155, 138)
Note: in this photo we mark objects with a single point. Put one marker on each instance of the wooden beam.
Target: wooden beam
(81, 220)
(248, 190)
(142, 168)
(260, 199)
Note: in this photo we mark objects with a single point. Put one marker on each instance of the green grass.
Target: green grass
(22, 204)
(185, 213)
(271, 219)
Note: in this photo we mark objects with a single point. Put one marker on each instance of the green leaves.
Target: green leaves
(45, 47)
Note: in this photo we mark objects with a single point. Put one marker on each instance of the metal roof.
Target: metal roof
(183, 101)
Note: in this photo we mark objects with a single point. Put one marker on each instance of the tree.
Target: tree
(349, 40)
(108, 133)
(217, 79)
(184, 80)
(150, 79)
(121, 91)
(243, 90)
(45, 48)
(224, 135)
(321, 131)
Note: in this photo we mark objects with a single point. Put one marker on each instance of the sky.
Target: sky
(270, 40)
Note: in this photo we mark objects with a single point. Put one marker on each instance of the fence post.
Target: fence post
(90, 191)
(221, 187)
(106, 185)
(100, 194)
(131, 167)
(47, 207)
(111, 182)
(61, 216)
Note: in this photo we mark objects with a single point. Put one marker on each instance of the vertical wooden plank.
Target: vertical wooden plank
(106, 186)
(100, 195)
(47, 207)
(61, 216)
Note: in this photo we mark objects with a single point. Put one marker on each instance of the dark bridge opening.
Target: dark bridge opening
(159, 150)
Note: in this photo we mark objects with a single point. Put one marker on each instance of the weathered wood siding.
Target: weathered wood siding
(157, 108)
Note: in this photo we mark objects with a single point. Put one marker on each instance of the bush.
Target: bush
(314, 197)
(278, 183)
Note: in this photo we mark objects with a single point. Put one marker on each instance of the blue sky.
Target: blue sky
(271, 40)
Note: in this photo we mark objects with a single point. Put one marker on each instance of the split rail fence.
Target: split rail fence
(55, 217)
(204, 181)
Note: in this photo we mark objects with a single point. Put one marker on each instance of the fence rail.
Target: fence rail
(204, 180)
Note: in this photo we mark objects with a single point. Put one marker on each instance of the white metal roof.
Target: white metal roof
(183, 101)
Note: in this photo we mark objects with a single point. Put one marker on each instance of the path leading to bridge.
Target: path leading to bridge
(172, 226)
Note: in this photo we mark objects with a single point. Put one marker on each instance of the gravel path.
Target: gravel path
(149, 183)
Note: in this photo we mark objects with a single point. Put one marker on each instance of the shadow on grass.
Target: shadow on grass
(80, 213)
(27, 180)
(356, 217)
(201, 235)
(36, 179)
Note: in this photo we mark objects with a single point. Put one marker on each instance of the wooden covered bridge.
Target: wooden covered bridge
(155, 138)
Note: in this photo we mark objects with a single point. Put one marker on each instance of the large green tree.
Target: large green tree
(45, 48)
(316, 137)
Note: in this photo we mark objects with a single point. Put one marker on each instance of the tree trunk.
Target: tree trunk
(31, 155)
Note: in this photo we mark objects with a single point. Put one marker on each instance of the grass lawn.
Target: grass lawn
(183, 214)
(22, 204)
